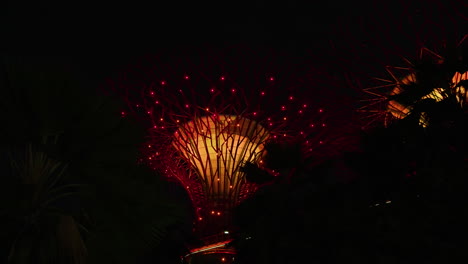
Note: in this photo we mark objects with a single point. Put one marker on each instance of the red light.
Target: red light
(222, 78)
(300, 111)
(186, 106)
(304, 105)
(163, 83)
(156, 102)
(218, 213)
(255, 113)
(321, 110)
(272, 79)
(320, 142)
(312, 125)
(148, 112)
(199, 218)
(233, 90)
(212, 212)
(186, 77)
(323, 125)
(262, 93)
(291, 98)
(223, 259)
(283, 107)
(152, 93)
(123, 113)
(149, 146)
(212, 90)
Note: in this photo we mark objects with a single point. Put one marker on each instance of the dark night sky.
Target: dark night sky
(102, 36)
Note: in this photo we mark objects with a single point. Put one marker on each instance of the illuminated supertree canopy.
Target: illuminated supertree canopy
(432, 77)
(205, 124)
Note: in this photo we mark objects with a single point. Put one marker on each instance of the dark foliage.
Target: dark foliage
(71, 191)
(406, 201)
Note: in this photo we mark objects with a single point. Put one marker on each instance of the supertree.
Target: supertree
(434, 76)
(207, 120)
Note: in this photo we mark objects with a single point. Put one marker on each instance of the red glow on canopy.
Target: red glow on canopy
(275, 112)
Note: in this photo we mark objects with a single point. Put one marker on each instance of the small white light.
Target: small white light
(226, 232)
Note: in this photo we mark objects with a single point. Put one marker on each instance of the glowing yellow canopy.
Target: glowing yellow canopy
(401, 111)
(216, 147)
